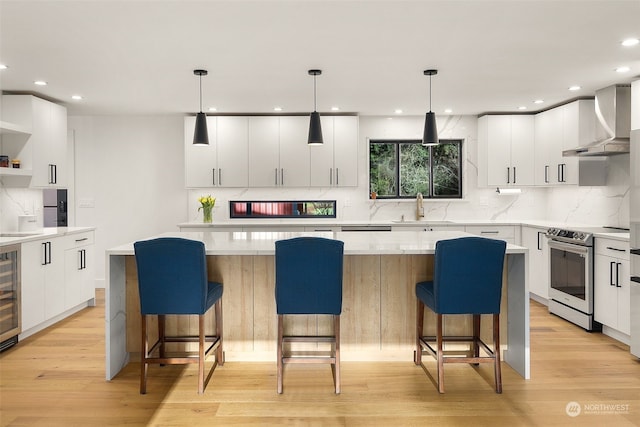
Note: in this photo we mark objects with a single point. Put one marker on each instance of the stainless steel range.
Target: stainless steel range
(571, 262)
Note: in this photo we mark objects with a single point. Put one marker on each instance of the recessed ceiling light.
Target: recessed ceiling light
(630, 42)
(277, 108)
(538, 101)
(574, 88)
(398, 111)
(335, 108)
(522, 107)
(40, 83)
(213, 109)
(3, 67)
(623, 69)
(76, 97)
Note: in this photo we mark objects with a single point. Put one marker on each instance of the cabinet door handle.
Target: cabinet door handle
(276, 176)
(281, 176)
(546, 174)
(330, 176)
(337, 177)
(219, 176)
(489, 232)
(514, 175)
(559, 172)
(563, 169)
(44, 253)
(508, 175)
(214, 175)
(540, 233)
(618, 285)
(80, 260)
(611, 266)
(55, 174)
(616, 249)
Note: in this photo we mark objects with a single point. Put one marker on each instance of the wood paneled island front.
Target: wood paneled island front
(379, 303)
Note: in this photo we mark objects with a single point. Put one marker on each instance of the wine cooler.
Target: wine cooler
(9, 295)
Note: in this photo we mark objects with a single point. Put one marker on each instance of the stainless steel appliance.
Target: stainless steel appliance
(55, 207)
(571, 262)
(9, 295)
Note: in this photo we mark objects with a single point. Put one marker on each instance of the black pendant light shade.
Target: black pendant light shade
(200, 134)
(315, 129)
(430, 136)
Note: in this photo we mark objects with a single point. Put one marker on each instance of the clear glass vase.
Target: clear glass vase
(206, 215)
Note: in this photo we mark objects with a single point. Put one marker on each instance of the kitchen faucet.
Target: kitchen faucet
(419, 207)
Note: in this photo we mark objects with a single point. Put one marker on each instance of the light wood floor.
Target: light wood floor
(56, 378)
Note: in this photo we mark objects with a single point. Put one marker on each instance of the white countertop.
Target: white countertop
(27, 236)
(263, 242)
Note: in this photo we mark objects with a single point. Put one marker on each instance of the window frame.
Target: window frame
(397, 142)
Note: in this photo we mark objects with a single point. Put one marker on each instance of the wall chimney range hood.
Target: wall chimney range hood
(613, 110)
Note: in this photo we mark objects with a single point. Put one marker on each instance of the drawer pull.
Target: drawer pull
(616, 249)
(82, 240)
(489, 232)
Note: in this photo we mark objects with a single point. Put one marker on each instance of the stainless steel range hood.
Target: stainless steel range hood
(613, 110)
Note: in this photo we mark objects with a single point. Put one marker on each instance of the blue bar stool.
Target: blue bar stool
(172, 279)
(309, 281)
(467, 280)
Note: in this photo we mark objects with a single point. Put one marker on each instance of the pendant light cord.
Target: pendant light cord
(201, 93)
(430, 93)
(314, 93)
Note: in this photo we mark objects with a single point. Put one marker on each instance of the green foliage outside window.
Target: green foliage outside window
(402, 169)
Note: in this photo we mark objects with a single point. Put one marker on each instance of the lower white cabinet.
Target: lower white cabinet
(500, 232)
(57, 275)
(611, 299)
(534, 239)
(78, 270)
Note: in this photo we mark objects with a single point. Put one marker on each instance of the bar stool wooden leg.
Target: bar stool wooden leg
(417, 355)
(279, 355)
(336, 376)
(144, 348)
(440, 355)
(496, 346)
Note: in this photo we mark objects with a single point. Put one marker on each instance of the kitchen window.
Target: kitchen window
(401, 169)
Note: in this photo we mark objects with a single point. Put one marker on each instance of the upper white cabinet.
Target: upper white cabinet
(42, 146)
(222, 163)
(562, 128)
(335, 162)
(278, 151)
(272, 151)
(505, 150)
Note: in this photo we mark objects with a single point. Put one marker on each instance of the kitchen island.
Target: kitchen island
(379, 303)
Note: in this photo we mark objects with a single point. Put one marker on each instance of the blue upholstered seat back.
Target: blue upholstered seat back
(309, 276)
(172, 276)
(468, 275)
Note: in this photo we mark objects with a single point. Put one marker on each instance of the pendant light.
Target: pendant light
(201, 135)
(315, 129)
(430, 137)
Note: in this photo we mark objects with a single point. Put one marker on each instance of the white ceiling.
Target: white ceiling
(137, 57)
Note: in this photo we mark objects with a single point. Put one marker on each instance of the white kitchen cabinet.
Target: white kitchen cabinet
(42, 272)
(611, 300)
(505, 150)
(533, 238)
(500, 232)
(562, 128)
(335, 162)
(79, 260)
(43, 151)
(222, 163)
(278, 151)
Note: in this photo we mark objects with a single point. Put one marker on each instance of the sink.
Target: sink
(18, 234)
(420, 221)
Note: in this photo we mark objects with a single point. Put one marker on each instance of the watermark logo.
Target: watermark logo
(573, 409)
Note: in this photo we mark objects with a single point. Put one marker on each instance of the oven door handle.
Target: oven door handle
(582, 250)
